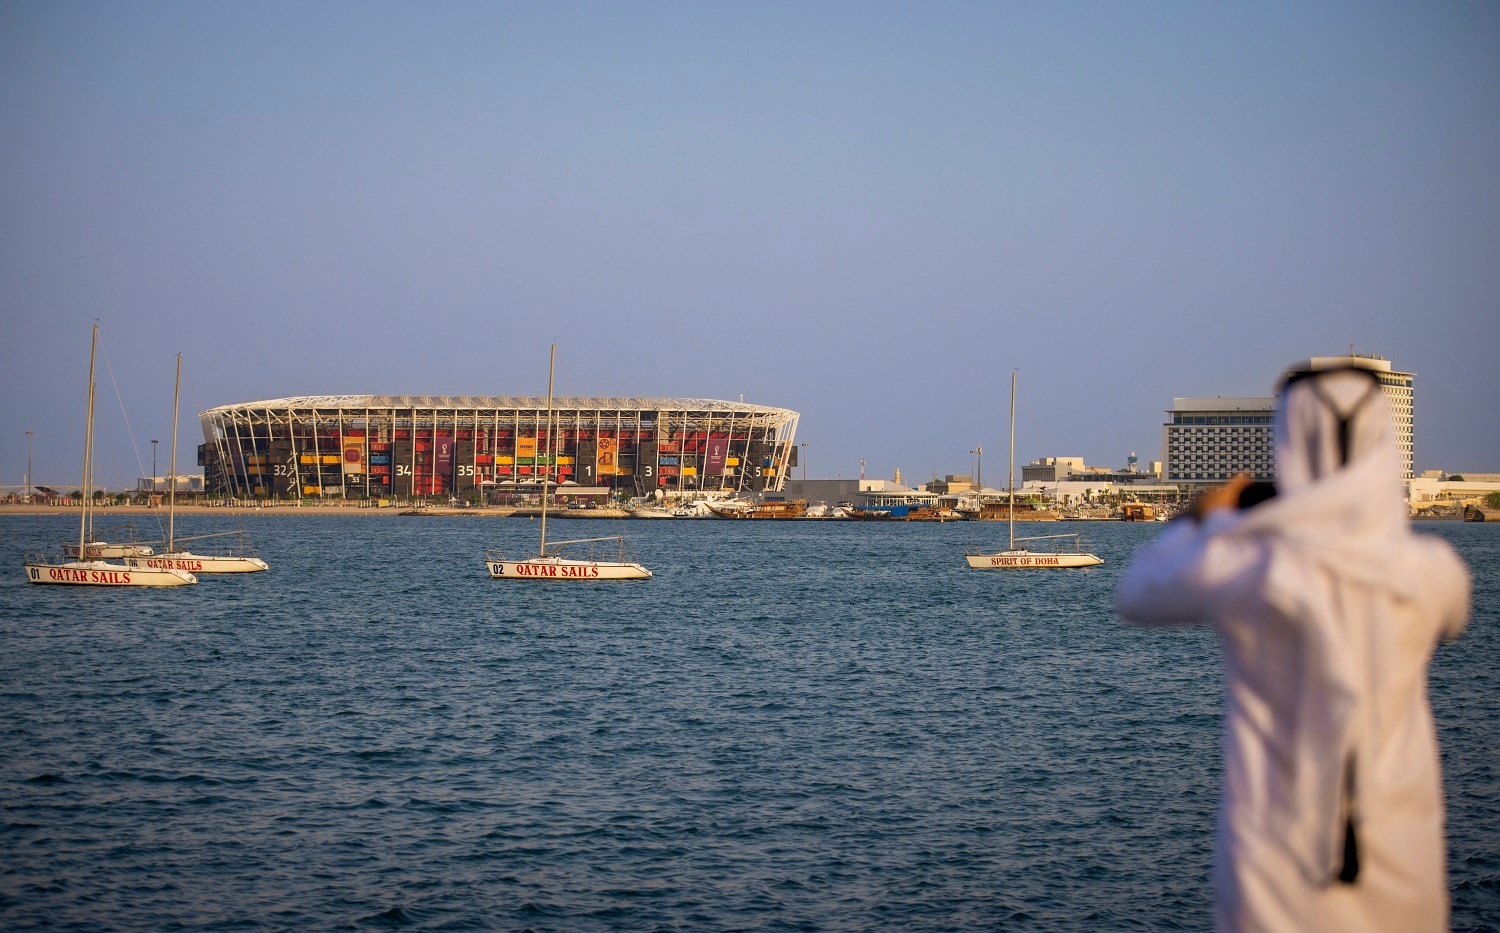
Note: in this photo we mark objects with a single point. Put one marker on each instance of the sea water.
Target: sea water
(793, 726)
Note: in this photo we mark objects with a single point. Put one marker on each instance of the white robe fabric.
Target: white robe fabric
(1329, 609)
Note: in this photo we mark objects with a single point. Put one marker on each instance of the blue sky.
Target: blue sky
(866, 212)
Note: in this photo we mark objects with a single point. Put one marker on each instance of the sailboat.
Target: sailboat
(97, 572)
(96, 548)
(1020, 558)
(175, 558)
(607, 558)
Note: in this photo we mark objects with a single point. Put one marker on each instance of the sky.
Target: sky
(870, 213)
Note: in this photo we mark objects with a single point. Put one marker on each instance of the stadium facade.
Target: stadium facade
(492, 448)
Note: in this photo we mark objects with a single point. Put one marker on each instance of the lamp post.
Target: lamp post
(153, 464)
(28, 466)
(979, 472)
(804, 462)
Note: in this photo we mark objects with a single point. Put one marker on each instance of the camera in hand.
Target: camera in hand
(1256, 493)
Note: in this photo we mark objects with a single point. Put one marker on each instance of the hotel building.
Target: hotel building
(1208, 440)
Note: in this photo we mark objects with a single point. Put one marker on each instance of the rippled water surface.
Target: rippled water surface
(794, 726)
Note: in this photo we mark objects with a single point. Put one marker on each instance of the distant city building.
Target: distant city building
(1209, 440)
(834, 491)
(953, 484)
(1424, 492)
(1051, 469)
(185, 483)
(1072, 469)
(1398, 388)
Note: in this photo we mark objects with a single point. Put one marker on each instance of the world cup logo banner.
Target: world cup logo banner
(717, 457)
(354, 455)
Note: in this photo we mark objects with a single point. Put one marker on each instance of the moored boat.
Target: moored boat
(96, 550)
(997, 511)
(648, 510)
(609, 559)
(84, 571)
(1023, 558)
(103, 573)
(906, 513)
(174, 557)
(737, 509)
(605, 558)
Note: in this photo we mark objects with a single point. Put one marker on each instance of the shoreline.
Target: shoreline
(104, 511)
(389, 511)
(385, 511)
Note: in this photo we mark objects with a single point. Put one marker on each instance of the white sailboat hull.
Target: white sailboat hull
(1025, 560)
(97, 550)
(558, 569)
(650, 512)
(200, 563)
(100, 573)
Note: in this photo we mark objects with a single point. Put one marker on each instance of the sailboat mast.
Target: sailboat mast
(88, 454)
(1010, 476)
(172, 467)
(551, 368)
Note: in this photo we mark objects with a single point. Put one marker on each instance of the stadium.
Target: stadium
(493, 449)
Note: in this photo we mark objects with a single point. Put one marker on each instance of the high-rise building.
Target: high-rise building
(1208, 440)
(1397, 387)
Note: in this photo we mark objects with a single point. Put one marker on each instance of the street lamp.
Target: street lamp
(28, 466)
(979, 473)
(804, 462)
(153, 464)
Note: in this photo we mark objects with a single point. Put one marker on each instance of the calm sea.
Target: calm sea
(794, 726)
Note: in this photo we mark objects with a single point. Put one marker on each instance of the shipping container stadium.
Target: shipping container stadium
(493, 449)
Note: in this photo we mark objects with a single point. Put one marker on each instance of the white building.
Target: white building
(1397, 387)
(185, 483)
(1051, 469)
(1208, 440)
(1430, 494)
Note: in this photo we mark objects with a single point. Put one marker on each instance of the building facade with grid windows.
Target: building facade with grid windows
(1399, 392)
(1208, 440)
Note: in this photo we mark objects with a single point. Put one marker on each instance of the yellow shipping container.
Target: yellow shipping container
(330, 459)
(689, 471)
(732, 461)
(564, 461)
(503, 459)
(254, 471)
(312, 490)
(309, 458)
(258, 459)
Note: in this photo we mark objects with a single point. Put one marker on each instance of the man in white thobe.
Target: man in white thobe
(1329, 608)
